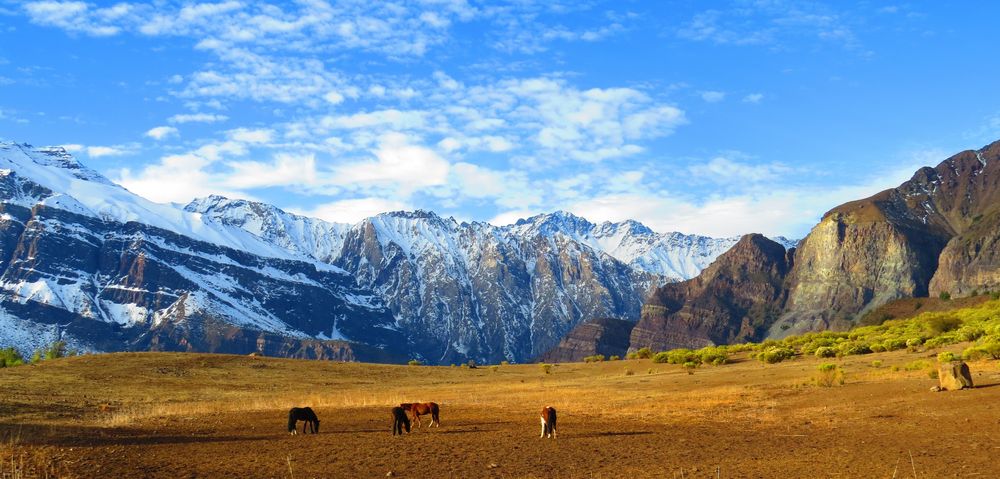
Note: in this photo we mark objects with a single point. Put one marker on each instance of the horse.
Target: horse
(421, 408)
(399, 421)
(548, 421)
(305, 414)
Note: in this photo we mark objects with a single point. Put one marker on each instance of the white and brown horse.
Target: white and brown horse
(548, 421)
(421, 408)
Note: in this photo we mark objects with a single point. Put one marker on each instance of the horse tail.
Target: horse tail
(435, 413)
(552, 417)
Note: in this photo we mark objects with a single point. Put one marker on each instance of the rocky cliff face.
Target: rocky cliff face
(607, 336)
(735, 299)
(936, 232)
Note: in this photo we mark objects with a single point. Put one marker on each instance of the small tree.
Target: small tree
(945, 296)
(56, 350)
(414, 362)
(10, 357)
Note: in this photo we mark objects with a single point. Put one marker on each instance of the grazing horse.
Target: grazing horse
(399, 421)
(548, 421)
(418, 409)
(305, 414)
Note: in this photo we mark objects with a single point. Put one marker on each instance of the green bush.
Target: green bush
(715, 355)
(546, 368)
(946, 357)
(914, 343)
(632, 355)
(690, 367)
(877, 363)
(825, 352)
(10, 357)
(614, 358)
(594, 359)
(995, 295)
(851, 349)
(894, 344)
(943, 323)
(415, 362)
(945, 296)
(975, 353)
(775, 354)
(828, 374)
(644, 353)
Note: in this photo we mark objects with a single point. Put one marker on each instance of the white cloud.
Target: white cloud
(753, 98)
(511, 217)
(197, 118)
(353, 210)
(724, 170)
(76, 16)
(285, 170)
(399, 162)
(245, 135)
(161, 132)
(101, 151)
(713, 96)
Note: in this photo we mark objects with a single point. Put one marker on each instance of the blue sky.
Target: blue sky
(718, 118)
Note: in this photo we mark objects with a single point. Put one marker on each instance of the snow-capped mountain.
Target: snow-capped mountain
(235, 275)
(112, 271)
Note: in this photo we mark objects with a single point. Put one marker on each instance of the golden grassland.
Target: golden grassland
(95, 416)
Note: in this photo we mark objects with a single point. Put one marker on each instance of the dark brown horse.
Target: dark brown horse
(418, 409)
(306, 415)
(399, 421)
(548, 421)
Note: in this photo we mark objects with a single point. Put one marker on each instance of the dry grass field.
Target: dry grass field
(192, 415)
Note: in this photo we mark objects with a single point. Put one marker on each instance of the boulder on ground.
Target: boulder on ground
(954, 376)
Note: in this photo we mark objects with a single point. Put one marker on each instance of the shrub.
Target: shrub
(917, 365)
(614, 358)
(974, 353)
(494, 368)
(471, 364)
(877, 348)
(690, 367)
(942, 323)
(504, 363)
(677, 356)
(969, 333)
(933, 374)
(414, 362)
(546, 368)
(594, 359)
(828, 374)
(715, 355)
(632, 355)
(775, 354)
(55, 350)
(877, 363)
(10, 357)
(945, 296)
(644, 353)
(850, 349)
(946, 357)
(937, 342)
(629, 372)
(825, 352)
(914, 343)
(893, 344)
(995, 295)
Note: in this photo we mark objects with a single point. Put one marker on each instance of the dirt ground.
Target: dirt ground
(173, 415)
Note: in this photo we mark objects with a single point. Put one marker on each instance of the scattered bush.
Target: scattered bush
(690, 367)
(594, 359)
(504, 363)
(825, 352)
(945, 296)
(632, 355)
(877, 363)
(828, 374)
(917, 365)
(943, 323)
(614, 358)
(893, 344)
(946, 357)
(494, 368)
(414, 362)
(10, 357)
(775, 354)
(644, 353)
(715, 355)
(546, 368)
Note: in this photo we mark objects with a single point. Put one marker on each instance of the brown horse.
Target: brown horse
(548, 421)
(399, 421)
(420, 408)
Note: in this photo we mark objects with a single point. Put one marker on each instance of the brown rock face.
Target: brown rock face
(954, 376)
(735, 299)
(939, 231)
(606, 336)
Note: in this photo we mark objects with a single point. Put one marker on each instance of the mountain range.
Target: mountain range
(86, 260)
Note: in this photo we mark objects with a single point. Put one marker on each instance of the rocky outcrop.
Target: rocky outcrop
(606, 336)
(735, 299)
(937, 232)
(954, 376)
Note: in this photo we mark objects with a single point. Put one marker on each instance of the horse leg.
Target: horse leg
(543, 428)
